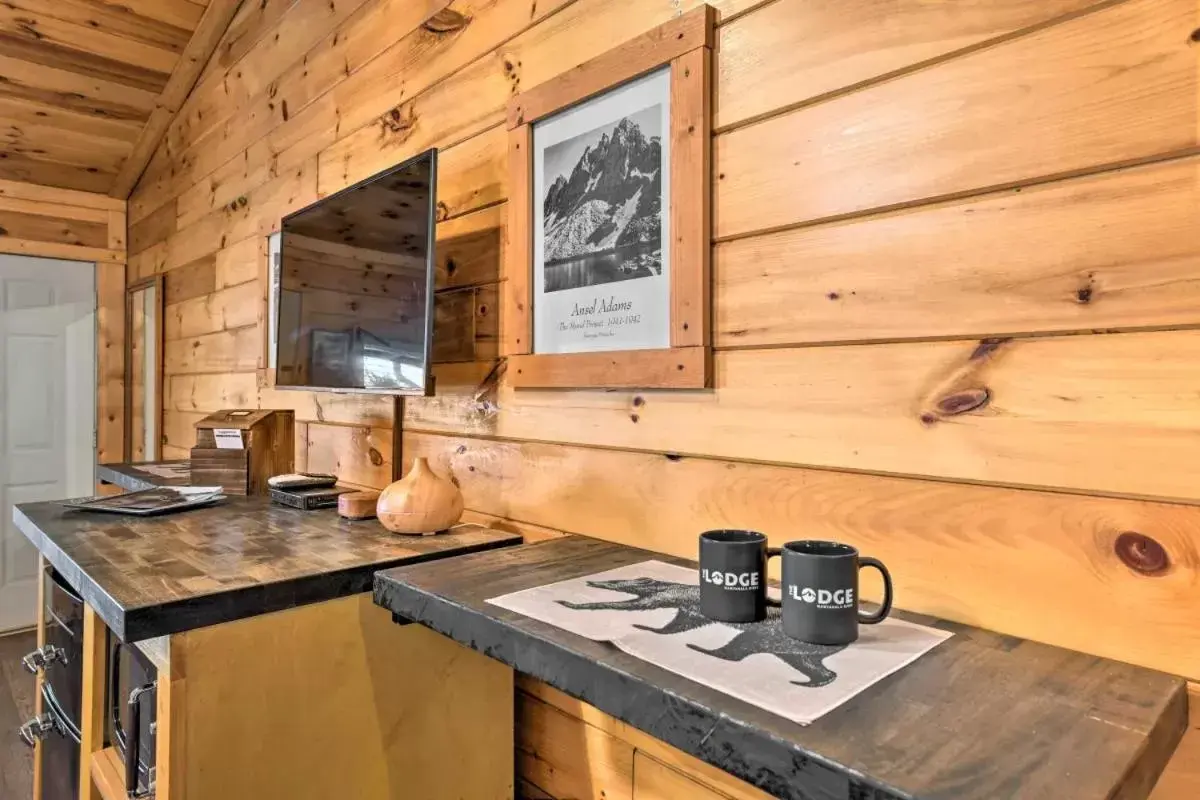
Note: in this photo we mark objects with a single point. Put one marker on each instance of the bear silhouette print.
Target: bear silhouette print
(754, 637)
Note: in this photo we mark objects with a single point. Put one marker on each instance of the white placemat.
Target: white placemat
(651, 611)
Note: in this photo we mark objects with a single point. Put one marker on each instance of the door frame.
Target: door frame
(155, 281)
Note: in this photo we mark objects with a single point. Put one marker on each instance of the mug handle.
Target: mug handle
(774, 552)
(885, 607)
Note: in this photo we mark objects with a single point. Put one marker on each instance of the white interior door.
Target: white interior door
(47, 406)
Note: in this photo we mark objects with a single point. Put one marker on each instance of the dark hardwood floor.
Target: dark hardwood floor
(16, 706)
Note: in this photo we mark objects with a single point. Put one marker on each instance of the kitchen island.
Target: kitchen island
(276, 675)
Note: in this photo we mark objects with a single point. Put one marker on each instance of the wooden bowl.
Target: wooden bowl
(420, 503)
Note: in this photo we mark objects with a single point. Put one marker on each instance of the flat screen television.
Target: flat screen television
(354, 295)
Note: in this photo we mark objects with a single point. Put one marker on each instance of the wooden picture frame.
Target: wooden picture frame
(685, 45)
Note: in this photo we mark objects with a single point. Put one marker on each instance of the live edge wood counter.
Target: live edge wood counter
(983, 716)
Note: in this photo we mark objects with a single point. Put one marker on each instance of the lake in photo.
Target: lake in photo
(621, 264)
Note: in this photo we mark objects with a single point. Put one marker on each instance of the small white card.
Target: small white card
(228, 438)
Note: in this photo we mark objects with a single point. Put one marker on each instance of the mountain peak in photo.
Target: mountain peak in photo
(611, 199)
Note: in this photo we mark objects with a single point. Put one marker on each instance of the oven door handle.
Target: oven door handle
(133, 741)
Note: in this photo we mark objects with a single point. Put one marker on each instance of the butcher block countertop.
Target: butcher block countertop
(151, 576)
(981, 716)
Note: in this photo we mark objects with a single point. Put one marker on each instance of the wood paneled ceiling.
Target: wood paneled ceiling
(89, 87)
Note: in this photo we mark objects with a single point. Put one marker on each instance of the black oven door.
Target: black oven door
(131, 698)
(60, 751)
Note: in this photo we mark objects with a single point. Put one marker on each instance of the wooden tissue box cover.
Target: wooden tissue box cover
(268, 447)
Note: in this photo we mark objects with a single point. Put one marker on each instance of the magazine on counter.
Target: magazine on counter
(160, 500)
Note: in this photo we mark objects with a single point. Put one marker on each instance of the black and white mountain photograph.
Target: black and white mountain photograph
(602, 210)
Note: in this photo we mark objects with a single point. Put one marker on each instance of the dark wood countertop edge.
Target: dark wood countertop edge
(201, 611)
(146, 622)
(780, 767)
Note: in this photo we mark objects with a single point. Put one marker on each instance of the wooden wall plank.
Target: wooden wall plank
(179, 429)
(22, 167)
(150, 230)
(1057, 412)
(1083, 100)
(851, 43)
(357, 455)
(364, 410)
(235, 307)
(1102, 252)
(256, 213)
(57, 230)
(232, 350)
(469, 249)
(194, 280)
(212, 392)
(954, 550)
(66, 197)
(239, 262)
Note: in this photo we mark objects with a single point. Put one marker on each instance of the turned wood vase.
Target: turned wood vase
(422, 502)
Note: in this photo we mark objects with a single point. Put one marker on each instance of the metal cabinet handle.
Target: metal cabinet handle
(43, 657)
(36, 729)
(133, 743)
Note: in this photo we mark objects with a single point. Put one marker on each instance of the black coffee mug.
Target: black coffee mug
(820, 592)
(733, 575)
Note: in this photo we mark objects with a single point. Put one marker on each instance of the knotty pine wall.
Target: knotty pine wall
(919, 208)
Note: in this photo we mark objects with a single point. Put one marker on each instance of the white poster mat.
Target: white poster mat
(638, 314)
(760, 678)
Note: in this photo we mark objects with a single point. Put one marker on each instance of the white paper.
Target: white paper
(228, 438)
(751, 665)
(607, 285)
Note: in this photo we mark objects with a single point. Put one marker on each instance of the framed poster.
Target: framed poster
(607, 269)
(601, 239)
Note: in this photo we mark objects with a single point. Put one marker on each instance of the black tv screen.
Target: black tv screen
(354, 303)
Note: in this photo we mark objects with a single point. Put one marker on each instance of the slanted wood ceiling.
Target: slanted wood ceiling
(88, 87)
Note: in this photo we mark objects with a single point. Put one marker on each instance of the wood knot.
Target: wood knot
(376, 457)
(443, 211)
(1142, 554)
(399, 121)
(462, 448)
(446, 21)
(639, 401)
(964, 401)
(988, 347)
(1195, 37)
(1084, 295)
